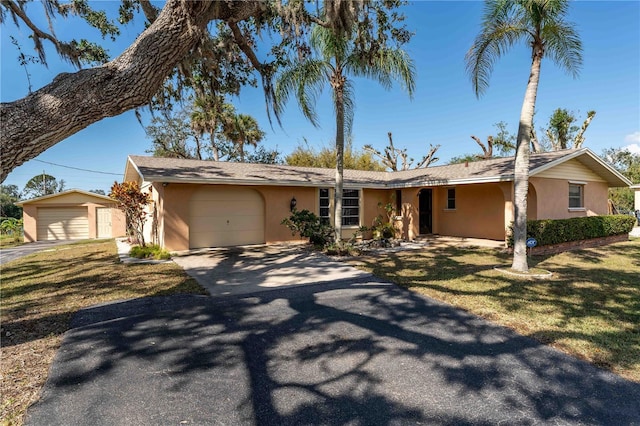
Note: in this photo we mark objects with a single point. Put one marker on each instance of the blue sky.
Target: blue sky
(444, 109)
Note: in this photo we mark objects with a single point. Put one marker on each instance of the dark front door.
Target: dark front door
(426, 211)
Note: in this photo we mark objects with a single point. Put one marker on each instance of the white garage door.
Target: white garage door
(62, 223)
(221, 217)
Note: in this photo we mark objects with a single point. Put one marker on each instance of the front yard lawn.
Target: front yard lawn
(41, 292)
(590, 308)
(10, 240)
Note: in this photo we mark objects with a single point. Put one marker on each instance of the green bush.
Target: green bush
(308, 225)
(556, 231)
(12, 227)
(151, 251)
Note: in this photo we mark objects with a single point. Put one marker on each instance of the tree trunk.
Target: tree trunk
(337, 196)
(73, 101)
(521, 168)
(579, 140)
(535, 145)
(198, 147)
(241, 150)
(214, 148)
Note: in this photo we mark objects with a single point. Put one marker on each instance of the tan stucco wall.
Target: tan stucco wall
(482, 210)
(118, 223)
(174, 227)
(373, 202)
(277, 202)
(407, 221)
(553, 199)
(479, 212)
(30, 215)
(29, 223)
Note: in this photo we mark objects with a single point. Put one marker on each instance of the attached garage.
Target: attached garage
(72, 215)
(225, 216)
(62, 223)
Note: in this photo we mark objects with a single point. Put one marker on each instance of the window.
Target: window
(350, 206)
(324, 205)
(451, 199)
(398, 202)
(576, 196)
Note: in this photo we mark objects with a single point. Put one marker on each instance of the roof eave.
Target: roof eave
(59, 194)
(253, 182)
(614, 178)
(134, 170)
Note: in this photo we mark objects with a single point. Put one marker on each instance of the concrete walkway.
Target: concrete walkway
(251, 269)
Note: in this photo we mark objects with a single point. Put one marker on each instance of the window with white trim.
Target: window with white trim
(324, 205)
(576, 196)
(451, 198)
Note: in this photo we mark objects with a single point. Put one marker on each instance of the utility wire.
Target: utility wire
(76, 168)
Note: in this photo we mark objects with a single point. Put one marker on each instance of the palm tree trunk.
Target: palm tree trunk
(337, 196)
(521, 169)
(198, 147)
(214, 148)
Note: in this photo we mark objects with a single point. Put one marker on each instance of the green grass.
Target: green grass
(40, 294)
(589, 308)
(10, 241)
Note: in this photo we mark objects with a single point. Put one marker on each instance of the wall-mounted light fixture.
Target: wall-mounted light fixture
(293, 204)
(165, 184)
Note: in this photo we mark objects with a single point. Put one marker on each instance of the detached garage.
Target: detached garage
(72, 215)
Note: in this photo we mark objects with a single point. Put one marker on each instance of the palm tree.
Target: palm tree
(243, 129)
(541, 24)
(207, 117)
(335, 58)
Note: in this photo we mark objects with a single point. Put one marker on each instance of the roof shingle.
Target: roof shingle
(157, 169)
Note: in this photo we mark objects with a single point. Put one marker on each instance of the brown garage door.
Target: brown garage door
(62, 223)
(221, 217)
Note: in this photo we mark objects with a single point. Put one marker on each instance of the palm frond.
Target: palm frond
(563, 45)
(502, 27)
(387, 66)
(305, 80)
(327, 45)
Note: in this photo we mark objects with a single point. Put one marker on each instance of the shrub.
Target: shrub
(308, 225)
(151, 251)
(347, 249)
(13, 227)
(556, 231)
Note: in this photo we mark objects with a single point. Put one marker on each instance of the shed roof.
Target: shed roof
(173, 170)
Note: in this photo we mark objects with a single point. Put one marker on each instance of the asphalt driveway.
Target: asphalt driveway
(13, 253)
(354, 351)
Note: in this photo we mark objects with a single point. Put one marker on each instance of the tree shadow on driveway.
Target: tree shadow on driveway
(349, 352)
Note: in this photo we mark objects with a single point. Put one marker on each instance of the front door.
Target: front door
(426, 211)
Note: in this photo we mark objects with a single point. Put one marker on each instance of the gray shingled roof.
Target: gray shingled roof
(156, 169)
